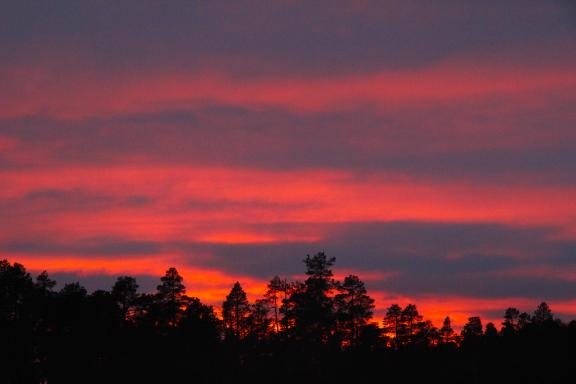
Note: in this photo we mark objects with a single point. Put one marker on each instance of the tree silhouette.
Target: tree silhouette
(15, 286)
(44, 283)
(472, 330)
(73, 290)
(523, 320)
(353, 307)
(490, 333)
(446, 333)
(370, 336)
(147, 311)
(276, 287)
(291, 305)
(511, 325)
(236, 311)
(410, 322)
(427, 334)
(392, 322)
(200, 323)
(258, 321)
(542, 314)
(171, 296)
(311, 308)
(125, 292)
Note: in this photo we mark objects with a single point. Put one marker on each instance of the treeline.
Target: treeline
(319, 330)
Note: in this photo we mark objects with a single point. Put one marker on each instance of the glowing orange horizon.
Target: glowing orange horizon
(212, 286)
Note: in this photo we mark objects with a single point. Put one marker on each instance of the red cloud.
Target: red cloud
(78, 95)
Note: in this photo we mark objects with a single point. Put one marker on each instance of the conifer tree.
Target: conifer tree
(542, 314)
(273, 294)
(236, 312)
(511, 323)
(44, 283)
(490, 333)
(410, 321)
(391, 323)
(446, 333)
(171, 296)
(310, 309)
(472, 329)
(125, 291)
(353, 307)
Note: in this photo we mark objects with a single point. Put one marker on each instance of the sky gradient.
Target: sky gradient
(429, 146)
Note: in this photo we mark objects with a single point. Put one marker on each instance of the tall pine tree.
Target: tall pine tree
(353, 307)
(236, 312)
(171, 296)
(310, 309)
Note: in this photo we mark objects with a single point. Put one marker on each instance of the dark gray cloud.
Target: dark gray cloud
(93, 282)
(479, 285)
(428, 258)
(318, 36)
(476, 260)
(58, 200)
(398, 246)
(93, 247)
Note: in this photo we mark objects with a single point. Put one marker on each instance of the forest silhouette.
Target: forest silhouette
(319, 330)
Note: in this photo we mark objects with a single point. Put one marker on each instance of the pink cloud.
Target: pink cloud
(78, 95)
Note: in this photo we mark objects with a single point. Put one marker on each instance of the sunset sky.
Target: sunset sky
(430, 146)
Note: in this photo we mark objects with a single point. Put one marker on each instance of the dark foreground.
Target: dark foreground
(316, 331)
